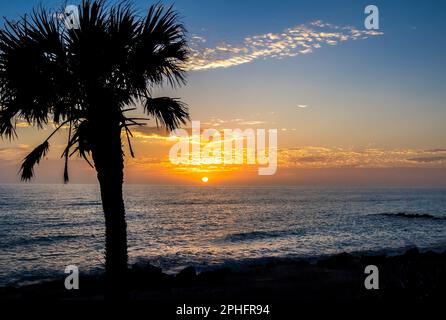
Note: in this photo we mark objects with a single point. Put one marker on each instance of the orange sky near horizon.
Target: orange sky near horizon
(296, 165)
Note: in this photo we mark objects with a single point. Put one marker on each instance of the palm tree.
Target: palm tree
(84, 80)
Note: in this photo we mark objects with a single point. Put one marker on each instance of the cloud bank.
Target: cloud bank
(298, 40)
(323, 157)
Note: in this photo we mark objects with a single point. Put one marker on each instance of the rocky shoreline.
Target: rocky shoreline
(413, 276)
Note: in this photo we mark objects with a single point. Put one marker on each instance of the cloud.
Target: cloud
(149, 131)
(298, 40)
(428, 159)
(436, 150)
(14, 153)
(309, 159)
(322, 157)
(316, 157)
(302, 106)
(251, 123)
(217, 122)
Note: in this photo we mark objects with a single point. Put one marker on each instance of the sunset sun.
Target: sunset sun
(205, 179)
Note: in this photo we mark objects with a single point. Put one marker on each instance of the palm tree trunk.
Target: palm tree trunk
(109, 164)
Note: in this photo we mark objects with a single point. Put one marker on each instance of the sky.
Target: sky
(351, 106)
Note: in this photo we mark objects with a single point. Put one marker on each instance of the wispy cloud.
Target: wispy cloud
(302, 106)
(298, 40)
(429, 159)
(13, 153)
(217, 122)
(321, 157)
(436, 150)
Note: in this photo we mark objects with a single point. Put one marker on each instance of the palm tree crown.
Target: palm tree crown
(85, 78)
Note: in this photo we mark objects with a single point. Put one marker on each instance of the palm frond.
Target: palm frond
(160, 51)
(171, 112)
(34, 77)
(66, 177)
(129, 134)
(7, 128)
(81, 139)
(33, 158)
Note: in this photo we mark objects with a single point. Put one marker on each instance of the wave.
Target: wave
(255, 235)
(409, 215)
(40, 240)
(206, 202)
(85, 203)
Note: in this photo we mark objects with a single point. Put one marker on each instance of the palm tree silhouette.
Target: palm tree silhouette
(84, 80)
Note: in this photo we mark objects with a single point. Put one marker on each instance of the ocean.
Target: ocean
(44, 228)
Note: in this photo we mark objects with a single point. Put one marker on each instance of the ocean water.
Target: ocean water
(44, 228)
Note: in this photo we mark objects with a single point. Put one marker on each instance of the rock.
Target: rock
(343, 260)
(412, 253)
(373, 260)
(187, 274)
(147, 269)
(145, 274)
(215, 276)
